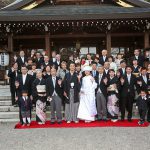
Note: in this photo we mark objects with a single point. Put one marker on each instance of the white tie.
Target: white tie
(54, 81)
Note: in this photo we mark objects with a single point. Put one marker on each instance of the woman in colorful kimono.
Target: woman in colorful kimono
(39, 94)
(112, 104)
(87, 108)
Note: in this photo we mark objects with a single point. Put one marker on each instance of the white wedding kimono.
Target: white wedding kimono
(87, 107)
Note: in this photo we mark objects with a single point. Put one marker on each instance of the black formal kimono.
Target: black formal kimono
(135, 69)
(113, 101)
(39, 95)
(140, 60)
(13, 75)
(127, 96)
(72, 89)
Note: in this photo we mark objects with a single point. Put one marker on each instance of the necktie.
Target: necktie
(54, 81)
(100, 77)
(26, 102)
(145, 79)
(129, 79)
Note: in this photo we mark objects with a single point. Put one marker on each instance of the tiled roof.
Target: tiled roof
(75, 13)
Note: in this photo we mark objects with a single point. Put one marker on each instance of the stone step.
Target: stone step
(9, 120)
(15, 115)
(2, 98)
(5, 103)
(8, 109)
(4, 87)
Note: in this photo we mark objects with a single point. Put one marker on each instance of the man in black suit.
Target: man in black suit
(122, 70)
(106, 68)
(38, 60)
(127, 94)
(103, 58)
(53, 59)
(13, 74)
(21, 60)
(138, 57)
(143, 82)
(46, 62)
(24, 81)
(54, 94)
(94, 69)
(101, 93)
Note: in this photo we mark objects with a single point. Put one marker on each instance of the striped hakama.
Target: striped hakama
(71, 110)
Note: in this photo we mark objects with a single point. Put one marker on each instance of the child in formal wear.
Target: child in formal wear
(142, 106)
(25, 106)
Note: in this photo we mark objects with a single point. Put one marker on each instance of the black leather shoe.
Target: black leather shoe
(59, 122)
(52, 122)
(129, 120)
(122, 119)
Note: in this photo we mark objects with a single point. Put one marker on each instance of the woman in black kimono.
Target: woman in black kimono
(39, 94)
(71, 93)
(112, 104)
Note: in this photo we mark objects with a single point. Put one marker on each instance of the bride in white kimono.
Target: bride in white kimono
(87, 107)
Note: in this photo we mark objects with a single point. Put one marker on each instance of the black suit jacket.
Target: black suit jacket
(20, 62)
(13, 77)
(50, 87)
(121, 72)
(102, 85)
(39, 62)
(95, 75)
(126, 87)
(23, 106)
(142, 104)
(26, 86)
(144, 85)
(101, 61)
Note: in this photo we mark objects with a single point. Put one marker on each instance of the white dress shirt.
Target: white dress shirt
(24, 78)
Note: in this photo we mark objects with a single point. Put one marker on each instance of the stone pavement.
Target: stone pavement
(74, 138)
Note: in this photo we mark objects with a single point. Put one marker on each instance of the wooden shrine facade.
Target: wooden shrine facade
(46, 27)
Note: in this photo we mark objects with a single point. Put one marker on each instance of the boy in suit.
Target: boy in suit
(25, 106)
(54, 94)
(141, 105)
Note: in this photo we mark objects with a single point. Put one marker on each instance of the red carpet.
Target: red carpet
(82, 124)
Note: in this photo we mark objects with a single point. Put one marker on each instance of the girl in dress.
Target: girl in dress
(39, 94)
(87, 108)
(112, 104)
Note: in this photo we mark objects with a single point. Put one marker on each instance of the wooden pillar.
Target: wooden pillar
(108, 43)
(146, 40)
(10, 42)
(47, 43)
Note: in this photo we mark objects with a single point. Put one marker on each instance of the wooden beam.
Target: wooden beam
(77, 35)
(146, 39)
(10, 42)
(47, 44)
(108, 43)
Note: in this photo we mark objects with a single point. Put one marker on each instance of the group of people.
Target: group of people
(85, 88)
